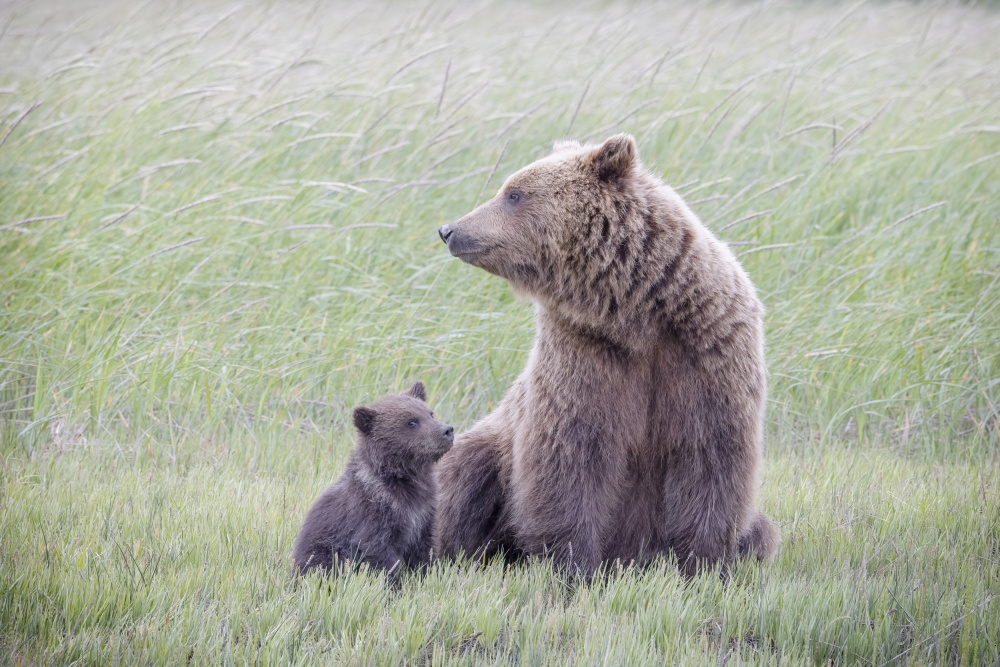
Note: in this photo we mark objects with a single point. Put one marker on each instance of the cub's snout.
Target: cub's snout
(446, 439)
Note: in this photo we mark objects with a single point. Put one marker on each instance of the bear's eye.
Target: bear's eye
(412, 423)
(513, 196)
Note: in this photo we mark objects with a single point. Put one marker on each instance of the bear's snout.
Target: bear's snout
(447, 438)
(444, 231)
(447, 434)
(461, 242)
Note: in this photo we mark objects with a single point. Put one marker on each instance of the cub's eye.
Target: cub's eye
(412, 423)
(513, 197)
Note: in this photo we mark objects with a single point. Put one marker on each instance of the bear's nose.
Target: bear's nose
(444, 231)
(448, 432)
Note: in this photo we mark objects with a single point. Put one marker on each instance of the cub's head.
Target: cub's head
(555, 220)
(400, 432)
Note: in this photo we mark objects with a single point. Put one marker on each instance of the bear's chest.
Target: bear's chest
(584, 398)
(409, 526)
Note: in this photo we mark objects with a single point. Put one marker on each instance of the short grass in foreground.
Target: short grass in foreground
(217, 235)
(884, 558)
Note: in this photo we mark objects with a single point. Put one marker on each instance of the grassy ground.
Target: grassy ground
(217, 234)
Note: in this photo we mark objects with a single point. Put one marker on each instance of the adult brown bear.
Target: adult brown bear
(636, 427)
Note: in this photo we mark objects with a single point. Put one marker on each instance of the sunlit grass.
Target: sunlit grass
(217, 235)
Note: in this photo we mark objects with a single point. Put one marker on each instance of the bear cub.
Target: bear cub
(381, 509)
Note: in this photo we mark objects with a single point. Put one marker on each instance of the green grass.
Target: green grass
(218, 234)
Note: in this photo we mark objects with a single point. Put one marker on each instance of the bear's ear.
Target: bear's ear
(614, 158)
(418, 391)
(364, 419)
(564, 145)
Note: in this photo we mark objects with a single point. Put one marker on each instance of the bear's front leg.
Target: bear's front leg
(472, 495)
(708, 499)
(566, 481)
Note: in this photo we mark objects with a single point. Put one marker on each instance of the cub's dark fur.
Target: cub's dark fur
(381, 509)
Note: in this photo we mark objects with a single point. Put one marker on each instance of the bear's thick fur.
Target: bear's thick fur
(381, 509)
(636, 427)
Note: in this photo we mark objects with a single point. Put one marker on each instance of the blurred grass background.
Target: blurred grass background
(218, 234)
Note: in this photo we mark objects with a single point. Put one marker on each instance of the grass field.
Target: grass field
(217, 235)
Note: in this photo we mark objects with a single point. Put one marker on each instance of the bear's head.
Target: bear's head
(565, 225)
(399, 433)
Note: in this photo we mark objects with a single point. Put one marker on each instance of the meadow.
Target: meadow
(218, 235)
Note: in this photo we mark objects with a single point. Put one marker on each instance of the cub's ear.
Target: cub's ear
(615, 157)
(564, 145)
(418, 391)
(364, 419)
